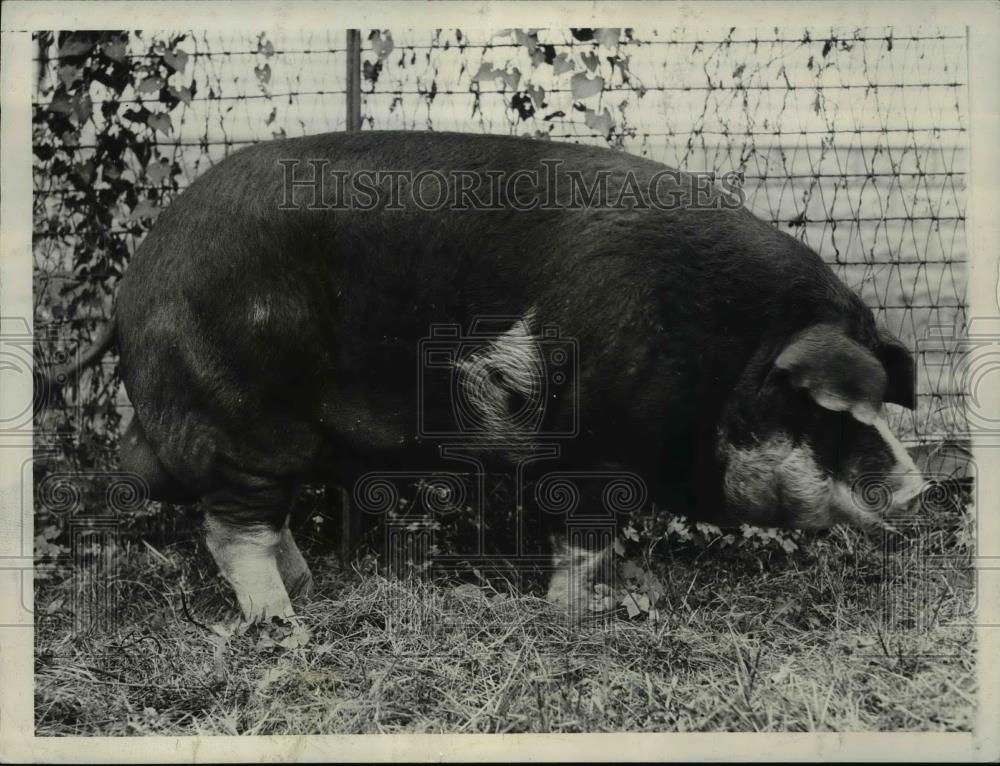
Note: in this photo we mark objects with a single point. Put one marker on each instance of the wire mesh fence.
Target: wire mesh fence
(854, 140)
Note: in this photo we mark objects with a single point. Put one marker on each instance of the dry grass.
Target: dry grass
(744, 641)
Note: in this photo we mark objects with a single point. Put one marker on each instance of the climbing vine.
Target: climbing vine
(104, 101)
(591, 66)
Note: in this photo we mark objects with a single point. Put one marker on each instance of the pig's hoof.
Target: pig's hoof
(267, 618)
(301, 585)
(266, 606)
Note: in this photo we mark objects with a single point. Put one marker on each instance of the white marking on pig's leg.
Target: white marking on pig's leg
(573, 575)
(247, 555)
(293, 568)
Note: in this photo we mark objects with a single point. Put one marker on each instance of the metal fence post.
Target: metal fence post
(349, 526)
(353, 79)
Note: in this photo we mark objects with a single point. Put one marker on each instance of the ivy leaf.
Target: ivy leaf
(72, 48)
(635, 604)
(263, 73)
(83, 107)
(157, 171)
(537, 94)
(653, 587)
(562, 64)
(298, 638)
(60, 103)
(512, 78)
(486, 72)
(181, 94)
(585, 87)
(529, 41)
(709, 530)
(632, 572)
(160, 122)
(590, 60)
(176, 60)
(608, 37)
(116, 50)
(151, 84)
(382, 43)
(145, 209)
(54, 606)
(602, 123)
(85, 171)
(266, 48)
(69, 74)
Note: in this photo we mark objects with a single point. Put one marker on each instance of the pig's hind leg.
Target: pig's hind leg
(246, 531)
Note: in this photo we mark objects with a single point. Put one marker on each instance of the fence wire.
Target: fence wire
(854, 140)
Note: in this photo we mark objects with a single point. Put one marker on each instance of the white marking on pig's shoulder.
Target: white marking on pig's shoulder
(509, 363)
(260, 311)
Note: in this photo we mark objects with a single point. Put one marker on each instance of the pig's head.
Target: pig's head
(804, 442)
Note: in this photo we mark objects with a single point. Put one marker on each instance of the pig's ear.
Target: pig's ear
(898, 363)
(839, 373)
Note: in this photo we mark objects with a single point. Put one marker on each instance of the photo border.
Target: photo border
(19, 19)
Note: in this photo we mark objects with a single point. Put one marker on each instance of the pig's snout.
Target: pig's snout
(883, 494)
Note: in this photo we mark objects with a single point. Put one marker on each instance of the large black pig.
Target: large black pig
(270, 330)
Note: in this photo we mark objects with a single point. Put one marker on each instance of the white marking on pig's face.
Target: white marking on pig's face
(778, 482)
